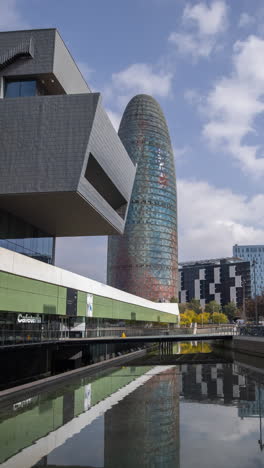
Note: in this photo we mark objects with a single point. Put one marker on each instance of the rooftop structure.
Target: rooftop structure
(211, 261)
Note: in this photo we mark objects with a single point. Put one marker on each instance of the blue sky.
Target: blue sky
(203, 62)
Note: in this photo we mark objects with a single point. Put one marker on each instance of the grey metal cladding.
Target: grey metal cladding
(107, 148)
(43, 142)
(23, 49)
(44, 42)
(51, 57)
(66, 71)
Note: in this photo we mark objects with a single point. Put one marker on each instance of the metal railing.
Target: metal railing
(13, 337)
(252, 330)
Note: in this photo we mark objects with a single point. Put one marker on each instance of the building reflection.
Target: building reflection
(221, 383)
(127, 418)
(147, 423)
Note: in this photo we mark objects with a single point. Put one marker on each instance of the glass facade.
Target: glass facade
(21, 237)
(144, 260)
(255, 255)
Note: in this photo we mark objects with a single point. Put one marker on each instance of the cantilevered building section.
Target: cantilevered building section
(144, 260)
(63, 169)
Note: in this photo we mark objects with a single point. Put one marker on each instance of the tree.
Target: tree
(185, 321)
(251, 309)
(191, 314)
(195, 305)
(173, 299)
(212, 307)
(230, 310)
(218, 317)
(203, 318)
(183, 307)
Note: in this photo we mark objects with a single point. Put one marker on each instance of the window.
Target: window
(22, 88)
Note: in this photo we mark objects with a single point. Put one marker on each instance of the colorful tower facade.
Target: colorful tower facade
(144, 260)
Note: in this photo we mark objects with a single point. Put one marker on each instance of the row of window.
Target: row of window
(249, 249)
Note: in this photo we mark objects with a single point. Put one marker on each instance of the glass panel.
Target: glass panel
(19, 236)
(20, 88)
(28, 88)
(12, 89)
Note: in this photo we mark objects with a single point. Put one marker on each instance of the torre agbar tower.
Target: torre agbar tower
(144, 260)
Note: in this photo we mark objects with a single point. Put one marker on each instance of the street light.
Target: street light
(254, 262)
(244, 299)
(260, 441)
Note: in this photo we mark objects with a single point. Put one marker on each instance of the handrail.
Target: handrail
(12, 337)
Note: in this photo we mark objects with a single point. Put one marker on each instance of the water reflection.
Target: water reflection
(190, 415)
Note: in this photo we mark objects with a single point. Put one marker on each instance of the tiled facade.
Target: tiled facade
(143, 260)
(220, 280)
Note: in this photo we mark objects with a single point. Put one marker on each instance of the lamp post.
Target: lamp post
(260, 441)
(254, 262)
(244, 299)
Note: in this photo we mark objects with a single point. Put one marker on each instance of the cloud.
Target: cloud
(209, 20)
(190, 44)
(235, 102)
(10, 16)
(201, 26)
(138, 78)
(211, 220)
(246, 20)
(142, 78)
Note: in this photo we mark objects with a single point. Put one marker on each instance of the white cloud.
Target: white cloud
(190, 44)
(246, 20)
(138, 78)
(234, 104)
(10, 17)
(210, 20)
(211, 220)
(202, 25)
(142, 78)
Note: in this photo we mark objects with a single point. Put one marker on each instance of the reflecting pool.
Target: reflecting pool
(193, 414)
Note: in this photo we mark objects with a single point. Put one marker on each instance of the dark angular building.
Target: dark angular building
(144, 260)
(222, 280)
(63, 169)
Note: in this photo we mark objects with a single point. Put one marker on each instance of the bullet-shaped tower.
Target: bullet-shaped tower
(144, 260)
